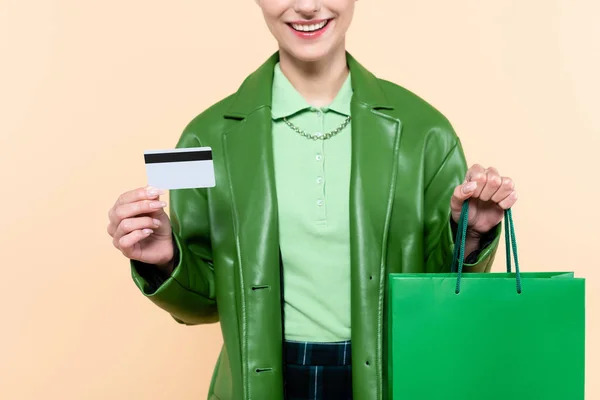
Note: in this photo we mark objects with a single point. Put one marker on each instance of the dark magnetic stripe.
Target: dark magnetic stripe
(202, 155)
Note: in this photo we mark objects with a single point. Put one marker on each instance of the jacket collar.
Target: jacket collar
(257, 89)
(287, 101)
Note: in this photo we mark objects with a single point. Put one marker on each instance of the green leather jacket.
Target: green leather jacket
(406, 161)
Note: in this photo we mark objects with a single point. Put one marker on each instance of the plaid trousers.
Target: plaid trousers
(315, 371)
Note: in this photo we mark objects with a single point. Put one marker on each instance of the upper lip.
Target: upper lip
(311, 22)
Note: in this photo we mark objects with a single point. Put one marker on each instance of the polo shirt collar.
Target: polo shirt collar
(288, 101)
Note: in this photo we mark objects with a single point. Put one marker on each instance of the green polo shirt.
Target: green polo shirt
(313, 182)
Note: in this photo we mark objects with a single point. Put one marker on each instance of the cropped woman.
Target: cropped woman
(328, 179)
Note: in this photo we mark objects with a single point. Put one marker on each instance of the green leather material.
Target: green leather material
(406, 162)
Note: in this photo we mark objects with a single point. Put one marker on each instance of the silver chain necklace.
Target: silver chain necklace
(318, 135)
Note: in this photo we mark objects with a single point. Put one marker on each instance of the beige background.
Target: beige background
(85, 87)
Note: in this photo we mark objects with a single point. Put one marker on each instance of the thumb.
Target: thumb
(165, 228)
(468, 188)
(462, 193)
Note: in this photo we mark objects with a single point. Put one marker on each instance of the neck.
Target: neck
(317, 81)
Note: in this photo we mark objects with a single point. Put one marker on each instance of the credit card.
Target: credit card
(184, 168)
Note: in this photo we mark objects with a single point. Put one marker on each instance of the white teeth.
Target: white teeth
(309, 28)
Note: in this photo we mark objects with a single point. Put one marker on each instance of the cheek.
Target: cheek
(344, 9)
(269, 18)
(273, 12)
(340, 6)
(274, 9)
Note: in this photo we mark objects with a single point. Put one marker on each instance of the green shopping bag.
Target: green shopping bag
(486, 336)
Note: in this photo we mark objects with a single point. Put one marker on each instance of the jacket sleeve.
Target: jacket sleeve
(445, 169)
(189, 293)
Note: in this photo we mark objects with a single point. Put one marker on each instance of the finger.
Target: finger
(143, 193)
(506, 188)
(111, 229)
(475, 170)
(492, 184)
(477, 174)
(129, 210)
(129, 225)
(126, 243)
(132, 196)
(509, 201)
(461, 193)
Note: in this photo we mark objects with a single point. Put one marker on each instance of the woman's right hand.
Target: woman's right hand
(141, 229)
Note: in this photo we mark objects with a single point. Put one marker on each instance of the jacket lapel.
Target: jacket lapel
(375, 144)
(250, 168)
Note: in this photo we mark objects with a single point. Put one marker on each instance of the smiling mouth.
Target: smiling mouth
(309, 28)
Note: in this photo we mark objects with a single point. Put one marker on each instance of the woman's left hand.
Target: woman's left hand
(489, 193)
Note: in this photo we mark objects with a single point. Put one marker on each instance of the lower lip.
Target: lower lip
(311, 35)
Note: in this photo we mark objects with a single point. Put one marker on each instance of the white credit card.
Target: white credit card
(183, 168)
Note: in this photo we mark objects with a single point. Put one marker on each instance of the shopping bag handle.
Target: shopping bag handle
(460, 243)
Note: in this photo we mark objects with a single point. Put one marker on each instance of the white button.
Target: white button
(320, 203)
(319, 157)
(319, 180)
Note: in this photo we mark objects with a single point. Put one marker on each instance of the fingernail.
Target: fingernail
(147, 231)
(158, 204)
(154, 191)
(469, 187)
(156, 222)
